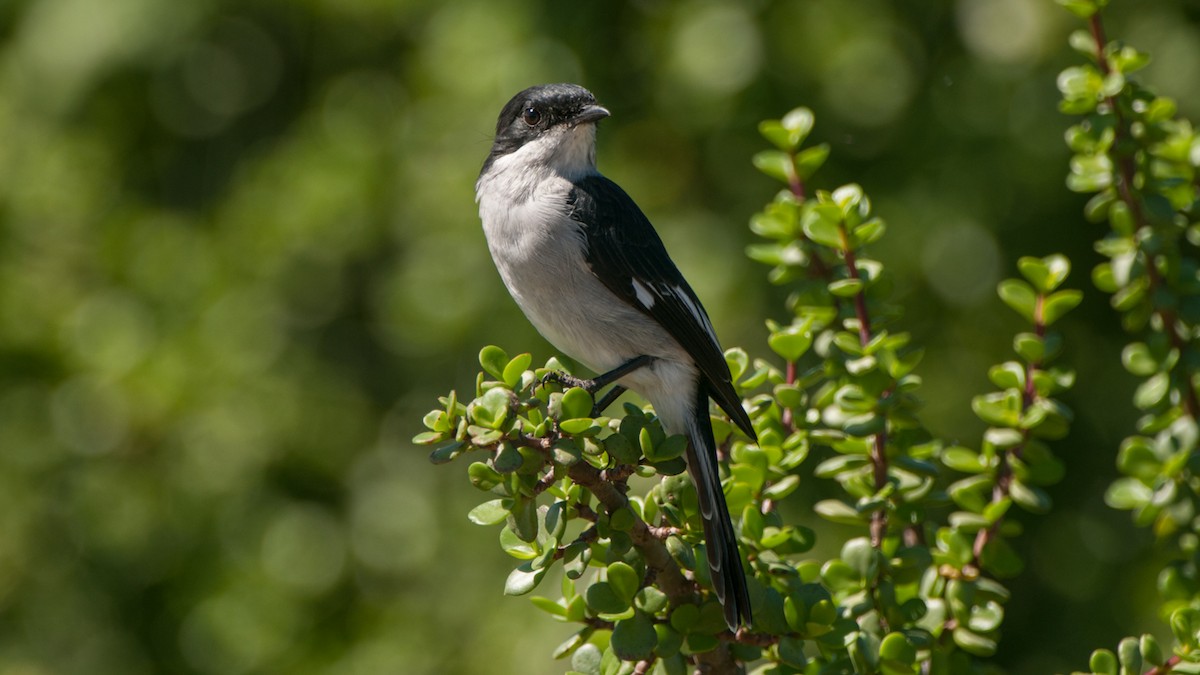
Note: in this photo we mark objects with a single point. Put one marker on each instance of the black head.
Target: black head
(538, 110)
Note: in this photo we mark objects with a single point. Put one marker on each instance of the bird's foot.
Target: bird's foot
(601, 381)
(568, 380)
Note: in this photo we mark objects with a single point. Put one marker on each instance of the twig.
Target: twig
(1126, 173)
(1166, 667)
(1004, 474)
(878, 454)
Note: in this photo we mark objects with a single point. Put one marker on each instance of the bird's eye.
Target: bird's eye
(531, 116)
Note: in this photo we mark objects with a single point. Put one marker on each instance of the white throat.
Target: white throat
(567, 153)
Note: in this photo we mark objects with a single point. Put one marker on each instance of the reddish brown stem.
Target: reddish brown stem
(879, 447)
(1004, 475)
(1166, 667)
(1126, 189)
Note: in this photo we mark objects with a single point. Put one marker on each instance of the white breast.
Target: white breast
(540, 254)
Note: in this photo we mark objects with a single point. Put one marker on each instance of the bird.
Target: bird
(592, 275)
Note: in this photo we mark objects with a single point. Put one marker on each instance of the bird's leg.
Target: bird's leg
(605, 379)
(601, 381)
(607, 400)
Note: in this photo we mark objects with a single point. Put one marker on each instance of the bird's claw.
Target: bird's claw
(568, 380)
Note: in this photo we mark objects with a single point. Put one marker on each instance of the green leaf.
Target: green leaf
(515, 368)
(777, 221)
(447, 452)
(603, 599)
(969, 493)
(651, 600)
(962, 459)
(483, 476)
(861, 557)
(1151, 651)
(1127, 494)
(1045, 274)
(587, 659)
(774, 537)
(1103, 662)
(791, 651)
(493, 359)
(811, 159)
(491, 409)
(634, 639)
(684, 617)
(1001, 408)
(548, 606)
(523, 579)
(792, 342)
(623, 519)
(781, 488)
(738, 361)
(570, 645)
(508, 459)
(1029, 497)
(1152, 391)
(1185, 624)
(1112, 84)
(821, 224)
(776, 164)
(428, 437)
(1083, 9)
(788, 133)
(1080, 83)
(1043, 468)
(671, 447)
(523, 519)
(624, 581)
(1057, 304)
(846, 288)
(794, 612)
(555, 520)
(576, 403)
(619, 448)
(1130, 655)
(1083, 42)
(581, 426)
(1137, 359)
(1029, 347)
(869, 232)
(1008, 375)
(968, 522)
(986, 617)
(799, 123)
(1020, 296)
(974, 643)
(839, 577)
(774, 131)
(864, 425)
(752, 523)
(896, 647)
(838, 512)
(489, 513)
(848, 197)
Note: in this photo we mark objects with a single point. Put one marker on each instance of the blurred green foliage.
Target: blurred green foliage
(239, 253)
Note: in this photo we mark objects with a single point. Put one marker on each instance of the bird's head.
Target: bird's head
(550, 125)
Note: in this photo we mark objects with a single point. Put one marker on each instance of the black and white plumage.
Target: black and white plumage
(590, 272)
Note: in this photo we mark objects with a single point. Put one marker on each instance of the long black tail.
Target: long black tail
(724, 560)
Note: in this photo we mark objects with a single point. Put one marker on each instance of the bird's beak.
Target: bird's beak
(591, 113)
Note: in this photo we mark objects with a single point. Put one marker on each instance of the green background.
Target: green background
(239, 259)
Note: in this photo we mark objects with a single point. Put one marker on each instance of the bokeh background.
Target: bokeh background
(239, 259)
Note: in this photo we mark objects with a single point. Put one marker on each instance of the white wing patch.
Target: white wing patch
(644, 295)
(695, 310)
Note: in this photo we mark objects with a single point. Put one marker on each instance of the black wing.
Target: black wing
(627, 255)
